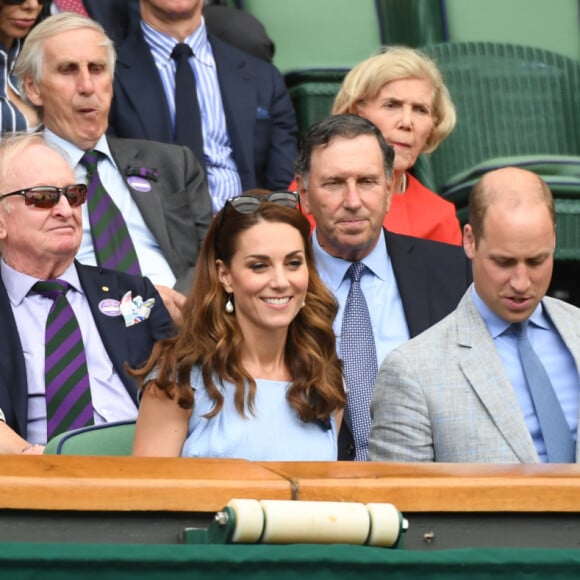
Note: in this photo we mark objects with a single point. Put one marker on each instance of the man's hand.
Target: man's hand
(173, 301)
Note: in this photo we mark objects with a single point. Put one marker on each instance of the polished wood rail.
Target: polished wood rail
(67, 482)
(439, 487)
(81, 483)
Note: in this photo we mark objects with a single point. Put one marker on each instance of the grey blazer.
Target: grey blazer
(177, 209)
(444, 396)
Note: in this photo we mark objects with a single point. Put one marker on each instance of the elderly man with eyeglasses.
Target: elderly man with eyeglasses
(68, 329)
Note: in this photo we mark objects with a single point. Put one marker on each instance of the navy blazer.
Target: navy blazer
(432, 278)
(259, 114)
(131, 345)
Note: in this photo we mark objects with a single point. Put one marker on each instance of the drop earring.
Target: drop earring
(229, 307)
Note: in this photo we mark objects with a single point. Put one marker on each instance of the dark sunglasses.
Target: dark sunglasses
(16, 2)
(47, 196)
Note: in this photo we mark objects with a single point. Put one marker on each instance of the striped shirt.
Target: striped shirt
(222, 174)
(11, 118)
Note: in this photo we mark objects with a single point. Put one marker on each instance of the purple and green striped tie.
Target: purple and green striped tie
(67, 388)
(113, 245)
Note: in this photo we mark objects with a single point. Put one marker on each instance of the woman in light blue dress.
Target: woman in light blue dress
(253, 372)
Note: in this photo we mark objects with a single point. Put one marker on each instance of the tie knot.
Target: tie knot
(90, 160)
(355, 271)
(180, 51)
(520, 329)
(51, 288)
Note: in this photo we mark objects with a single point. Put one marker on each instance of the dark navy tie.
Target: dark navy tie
(188, 128)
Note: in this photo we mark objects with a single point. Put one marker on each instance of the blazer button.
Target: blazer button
(350, 449)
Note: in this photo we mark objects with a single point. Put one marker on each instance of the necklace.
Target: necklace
(404, 184)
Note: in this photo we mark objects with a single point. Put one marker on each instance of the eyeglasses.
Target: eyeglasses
(47, 196)
(248, 203)
(16, 2)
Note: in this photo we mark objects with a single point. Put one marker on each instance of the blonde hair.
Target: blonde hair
(367, 78)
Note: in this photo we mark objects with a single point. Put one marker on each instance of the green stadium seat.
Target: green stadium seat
(107, 439)
(411, 22)
(549, 24)
(510, 100)
(318, 33)
(312, 92)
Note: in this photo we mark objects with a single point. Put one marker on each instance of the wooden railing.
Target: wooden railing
(52, 482)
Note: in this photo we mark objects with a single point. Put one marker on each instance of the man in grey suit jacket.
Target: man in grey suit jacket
(344, 174)
(66, 71)
(458, 392)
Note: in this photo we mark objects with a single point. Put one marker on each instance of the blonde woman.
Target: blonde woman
(401, 91)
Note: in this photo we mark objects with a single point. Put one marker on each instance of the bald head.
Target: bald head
(507, 189)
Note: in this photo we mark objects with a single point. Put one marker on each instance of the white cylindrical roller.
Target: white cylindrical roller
(385, 524)
(249, 520)
(318, 522)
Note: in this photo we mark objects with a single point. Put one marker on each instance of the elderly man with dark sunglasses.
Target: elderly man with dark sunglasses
(116, 317)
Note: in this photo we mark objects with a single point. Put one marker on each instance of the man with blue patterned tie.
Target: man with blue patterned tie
(68, 329)
(155, 193)
(389, 287)
(496, 381)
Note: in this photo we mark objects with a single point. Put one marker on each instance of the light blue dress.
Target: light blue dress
(273, 433)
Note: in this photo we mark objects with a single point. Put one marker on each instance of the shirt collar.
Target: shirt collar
(333, 270)
(18, 284)
(74, 153)
(497, 325)
(162, 44)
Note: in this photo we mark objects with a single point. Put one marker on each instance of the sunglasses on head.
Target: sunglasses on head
(47, 196)
(248, 203)
(16, 2)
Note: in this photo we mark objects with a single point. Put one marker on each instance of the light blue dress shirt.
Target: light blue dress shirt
(151, 260)
(554, 355)
(379, 287)
(111, 401)
(221, 171)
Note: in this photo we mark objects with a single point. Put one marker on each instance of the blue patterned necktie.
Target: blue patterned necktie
(560, 445)
(67, 387)
(359, 356)
(114, 248)
(188, 128)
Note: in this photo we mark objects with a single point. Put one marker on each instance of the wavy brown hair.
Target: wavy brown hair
(212, 339)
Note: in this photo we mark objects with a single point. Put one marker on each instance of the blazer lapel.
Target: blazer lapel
(12, 367)
(569, 330)
(239, 99)
(139, 69)
(100, 284)
(410, 274)
(126, 154)
(484, 371)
